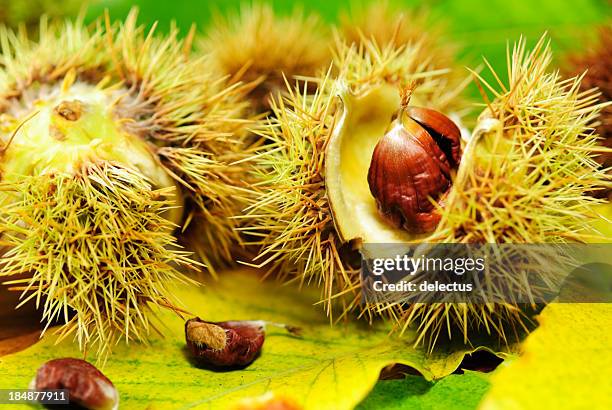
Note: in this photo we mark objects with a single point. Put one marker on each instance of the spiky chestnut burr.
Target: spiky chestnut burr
(596, 64)
(529, 167)
(314, 204)
(301, 235)
(388, 23)
(110, 138)
(258, 45)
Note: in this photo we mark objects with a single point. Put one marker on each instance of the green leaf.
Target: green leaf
(455, 392)
(328, 367)
(566, 363)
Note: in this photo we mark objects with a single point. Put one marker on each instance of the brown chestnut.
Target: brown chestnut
(86, 385)
(412, 165)
(225, 344)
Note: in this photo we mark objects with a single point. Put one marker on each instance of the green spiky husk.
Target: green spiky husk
(543, 121)
(388, 23)
(95, 244)
(526, 178)
(259, 46)
(596, 61)
(290, 218)
(150, 150)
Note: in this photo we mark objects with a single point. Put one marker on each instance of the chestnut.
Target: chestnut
(225, 344)
(412, 166)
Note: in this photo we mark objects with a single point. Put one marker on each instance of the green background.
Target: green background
(480, 28)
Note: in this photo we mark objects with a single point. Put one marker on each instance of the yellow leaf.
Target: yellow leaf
(327, 368)
(566, 363)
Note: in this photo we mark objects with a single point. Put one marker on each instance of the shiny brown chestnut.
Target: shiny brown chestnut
(412, 165)
(87, 386)
(225, 344)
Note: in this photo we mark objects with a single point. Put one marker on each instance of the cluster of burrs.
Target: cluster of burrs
(130, 158)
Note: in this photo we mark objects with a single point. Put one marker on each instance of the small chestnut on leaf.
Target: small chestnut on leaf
(86, 385)
(412, 165)
(228, 344)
